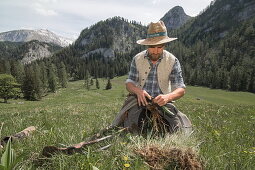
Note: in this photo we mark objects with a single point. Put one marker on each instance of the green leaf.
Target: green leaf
(8, 156)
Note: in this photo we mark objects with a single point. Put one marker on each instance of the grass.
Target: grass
(224, 125)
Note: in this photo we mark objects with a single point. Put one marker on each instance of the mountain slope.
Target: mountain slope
(216, 22)
(114, 35)
(217, 48)
(175, 18)
(40, 35)
(27, 51)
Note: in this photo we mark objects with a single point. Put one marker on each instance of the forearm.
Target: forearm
(132, 88)
(176, 94)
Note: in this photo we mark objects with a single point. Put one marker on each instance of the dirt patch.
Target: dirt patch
(170, 158)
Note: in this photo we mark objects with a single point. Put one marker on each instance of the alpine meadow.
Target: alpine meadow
(59, 97)
(223, 128)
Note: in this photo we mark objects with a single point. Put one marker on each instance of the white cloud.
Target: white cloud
(43, 9)
(46, 12)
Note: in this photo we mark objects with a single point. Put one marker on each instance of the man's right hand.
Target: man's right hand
(141, 97)
(140, 93)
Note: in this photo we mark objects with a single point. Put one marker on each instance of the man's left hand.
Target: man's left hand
(161, 100)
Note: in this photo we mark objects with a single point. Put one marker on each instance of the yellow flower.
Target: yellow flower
(216, 133)
(123, 143)
(245, 151)
(127, 165)
(125, 158)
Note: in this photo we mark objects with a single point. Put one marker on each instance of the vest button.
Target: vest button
(149, 67)
(143, 79)
(145, 72)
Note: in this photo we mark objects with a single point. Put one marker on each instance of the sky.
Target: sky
(69, 17)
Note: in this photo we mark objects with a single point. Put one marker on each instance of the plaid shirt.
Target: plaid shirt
(151, 85)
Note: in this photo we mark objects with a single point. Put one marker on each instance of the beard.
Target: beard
(154, 57)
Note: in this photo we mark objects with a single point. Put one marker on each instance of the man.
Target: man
(155, 74)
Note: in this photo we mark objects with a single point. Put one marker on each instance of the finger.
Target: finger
(139, 102)
(144, 101)
(148, 96)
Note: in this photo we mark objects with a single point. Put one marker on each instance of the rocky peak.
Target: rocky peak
(29, 35)
(175, 18)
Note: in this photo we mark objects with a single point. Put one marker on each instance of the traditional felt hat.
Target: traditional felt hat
(157, 34)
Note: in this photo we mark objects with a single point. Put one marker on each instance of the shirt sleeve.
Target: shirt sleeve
(176, 76)
(133, 73)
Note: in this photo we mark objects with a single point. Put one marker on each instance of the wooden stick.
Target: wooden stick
(20, 135)
(48, 151)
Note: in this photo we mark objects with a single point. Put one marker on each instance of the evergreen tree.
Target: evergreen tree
(52, 79)
(17, 71)
(62, 75)
(97, 84)
(44, 77)
(28, 86)
(109, 84)
(38, 86)
(86, 78)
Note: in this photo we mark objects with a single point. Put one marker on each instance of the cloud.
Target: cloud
(155, 2)
(42, 9)
(46, 12)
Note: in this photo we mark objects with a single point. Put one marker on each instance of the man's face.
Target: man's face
(155, 51)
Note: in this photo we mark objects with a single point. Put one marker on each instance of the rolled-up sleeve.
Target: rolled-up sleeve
(133, 73)
(176, 76)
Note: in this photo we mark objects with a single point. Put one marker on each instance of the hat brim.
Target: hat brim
(155, 40)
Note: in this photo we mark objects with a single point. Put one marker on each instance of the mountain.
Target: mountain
(217, 47)
(218, 19)
(27, 51)
(40, 35)
(114, 35)
(35, 50)
(175, 18)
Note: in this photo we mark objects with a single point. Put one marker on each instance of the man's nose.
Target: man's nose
(156, 50)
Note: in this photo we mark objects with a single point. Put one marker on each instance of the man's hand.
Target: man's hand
(161, 99)
(141, 96)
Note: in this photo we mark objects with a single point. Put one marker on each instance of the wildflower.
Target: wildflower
(216, 133)
(127, 165)
(245, 151)
(125, 158)
(123, 143)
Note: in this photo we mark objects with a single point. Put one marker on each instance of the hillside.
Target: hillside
(39, 35)
(222, 127)
(27, 52)
(175, 18)
(216, 48)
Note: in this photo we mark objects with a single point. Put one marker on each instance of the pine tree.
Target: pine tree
(86, 78)
(97, 84)
(44, 77)
(109, 84)
(62, 75)
(37, 81)
(28, 86)
(52, 79)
